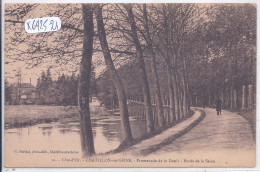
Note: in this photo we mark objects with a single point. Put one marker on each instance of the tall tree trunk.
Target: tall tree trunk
(209, 99)
(231, 98)
(250, 97)
(87, 142)
(179, 87)
(176, 95)
(158, 98)
(144, 80)
(243, 104)
(171, 93)
(184, 105)
(184, 88)
(169, 70)
(187, 86)
(125, 124)
(235, 98)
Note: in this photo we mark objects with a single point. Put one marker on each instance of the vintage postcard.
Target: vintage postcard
(130, 85)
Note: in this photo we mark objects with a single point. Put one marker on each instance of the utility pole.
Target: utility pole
(18, 91)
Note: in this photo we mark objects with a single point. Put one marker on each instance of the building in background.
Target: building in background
(27, 93)
(22, 93)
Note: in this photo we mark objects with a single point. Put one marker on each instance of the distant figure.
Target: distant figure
(218, 106)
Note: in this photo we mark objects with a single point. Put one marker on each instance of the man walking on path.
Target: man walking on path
(218, 106)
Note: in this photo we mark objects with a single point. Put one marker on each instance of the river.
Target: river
(65, 135)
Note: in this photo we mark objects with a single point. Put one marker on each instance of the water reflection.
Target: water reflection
(65, 134)
(46, 127)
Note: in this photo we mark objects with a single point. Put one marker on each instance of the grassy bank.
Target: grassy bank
(250, 116)
(126, 145)
(27, 115)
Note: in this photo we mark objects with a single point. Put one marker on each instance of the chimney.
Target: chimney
(30, 81)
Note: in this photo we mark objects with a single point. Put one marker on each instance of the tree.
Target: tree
(154, 71)
(228, 62)
(8, 92)
(237, 42)
(87, 142)
(145, 84)
(172, 80)
(126, 130)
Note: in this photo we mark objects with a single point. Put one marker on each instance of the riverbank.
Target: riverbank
(28, 115)
(150, 143)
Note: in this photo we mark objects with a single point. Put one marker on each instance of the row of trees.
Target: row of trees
(9, 89)
(225, 63)
(128, 34)
(197, 47)
(63, 91)
(221, 58)
(48, 91)
(142, 37)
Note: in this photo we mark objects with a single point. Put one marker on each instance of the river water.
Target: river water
(65, 135)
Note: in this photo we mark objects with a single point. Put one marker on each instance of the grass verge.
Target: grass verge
(250, 116)
(28, 115)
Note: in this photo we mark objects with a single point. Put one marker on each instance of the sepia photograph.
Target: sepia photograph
(129, 84)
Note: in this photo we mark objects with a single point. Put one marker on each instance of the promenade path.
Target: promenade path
(219, 141)
(216, 141)
(228, 131)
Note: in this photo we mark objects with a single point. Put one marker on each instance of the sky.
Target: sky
(59, 64)
(35, 73)
(57, 68)
(49, 60)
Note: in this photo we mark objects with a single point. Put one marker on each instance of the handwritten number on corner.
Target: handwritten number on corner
(46, 24)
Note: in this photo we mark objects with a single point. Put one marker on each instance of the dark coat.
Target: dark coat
(218, 104)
